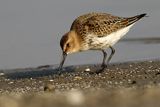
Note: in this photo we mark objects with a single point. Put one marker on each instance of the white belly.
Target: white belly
(111, 39)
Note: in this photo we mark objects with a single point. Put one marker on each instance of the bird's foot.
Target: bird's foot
(103, 66)
(99, 70)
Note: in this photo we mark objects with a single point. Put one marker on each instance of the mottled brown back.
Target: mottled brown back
(101, 24)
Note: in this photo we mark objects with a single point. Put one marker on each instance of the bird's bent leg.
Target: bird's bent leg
(103, 66)
(104, 59)
(112, 53)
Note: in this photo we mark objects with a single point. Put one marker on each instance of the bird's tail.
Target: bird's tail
(134, 19)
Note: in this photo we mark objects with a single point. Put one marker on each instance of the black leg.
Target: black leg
(104, 65)
(112, 53)
(104, 59)
(103, 62)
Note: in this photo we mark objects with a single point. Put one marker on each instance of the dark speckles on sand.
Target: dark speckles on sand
(116, 79)
(116, 75)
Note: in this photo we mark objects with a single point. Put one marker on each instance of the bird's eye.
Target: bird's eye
(68, 45)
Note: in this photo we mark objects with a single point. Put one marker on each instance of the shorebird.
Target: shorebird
(96, 31)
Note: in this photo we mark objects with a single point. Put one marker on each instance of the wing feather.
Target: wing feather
(101, 24)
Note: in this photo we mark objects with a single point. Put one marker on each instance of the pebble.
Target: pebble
(11, 82)
(49, 88)
(77, 78)
(121, 82)
(87, 69)
(51, 80)
(129, 80)
(116, 82)
(1, 74)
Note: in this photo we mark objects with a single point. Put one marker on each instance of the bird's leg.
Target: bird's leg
(103, 63)
(104, 59)
(105, 56)
(112, 53)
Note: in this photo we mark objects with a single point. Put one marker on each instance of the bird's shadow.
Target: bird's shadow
(40, 71)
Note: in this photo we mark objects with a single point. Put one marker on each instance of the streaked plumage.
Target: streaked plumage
(96, 31)
(101, 24)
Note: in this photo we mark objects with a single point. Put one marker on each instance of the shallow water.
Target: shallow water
(30, 31)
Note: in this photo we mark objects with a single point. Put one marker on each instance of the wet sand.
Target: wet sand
(126, 84)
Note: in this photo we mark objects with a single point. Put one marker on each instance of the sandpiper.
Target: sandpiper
(96, 31)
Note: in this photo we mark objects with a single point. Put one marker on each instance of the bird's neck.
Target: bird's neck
(77, 40)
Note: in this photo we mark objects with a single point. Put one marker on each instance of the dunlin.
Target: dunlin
(96, 31)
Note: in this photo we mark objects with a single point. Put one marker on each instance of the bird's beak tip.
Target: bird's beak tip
(62, 62)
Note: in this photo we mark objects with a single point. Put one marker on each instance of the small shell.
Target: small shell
(87, 69)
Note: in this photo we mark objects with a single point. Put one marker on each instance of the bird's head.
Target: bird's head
(70, 43)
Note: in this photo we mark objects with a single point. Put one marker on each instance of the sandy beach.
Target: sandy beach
(126, 84)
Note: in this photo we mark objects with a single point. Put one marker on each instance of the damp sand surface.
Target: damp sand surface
(129, 84)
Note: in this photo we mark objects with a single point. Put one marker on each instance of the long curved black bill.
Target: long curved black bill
(62, 62)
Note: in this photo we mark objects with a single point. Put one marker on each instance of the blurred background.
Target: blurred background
(30, 31)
